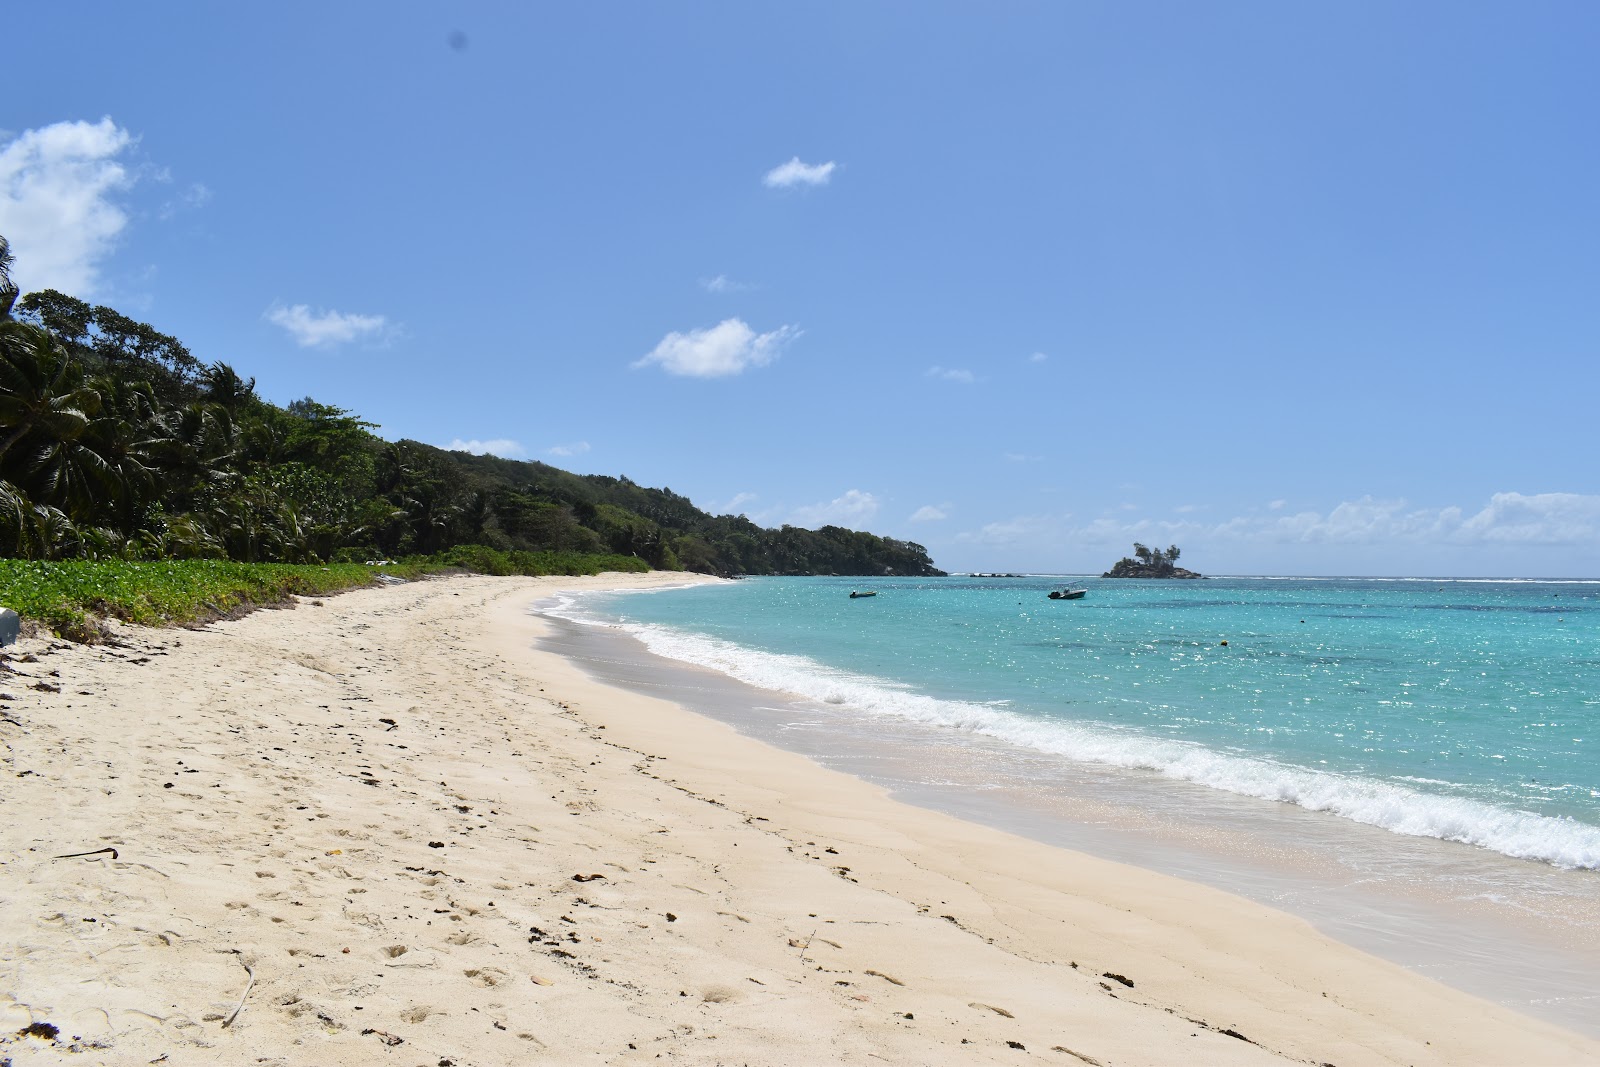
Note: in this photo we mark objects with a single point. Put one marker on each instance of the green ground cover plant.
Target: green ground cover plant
(69, 596)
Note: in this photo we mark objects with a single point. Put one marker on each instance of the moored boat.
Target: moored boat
(1067, 594)
(854, 595)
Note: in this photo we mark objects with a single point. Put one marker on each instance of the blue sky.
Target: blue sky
(1307, 289)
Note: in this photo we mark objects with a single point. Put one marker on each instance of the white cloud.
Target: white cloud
(1548, 519)
(795, 172)
(502, 447)
(324, 329)
(1277, 505)
(930, 513)
(723, 284)
(851, 510)
(194, 197)
(57, 185)
(736, 505)
(950, 374)
(1038, 357)
(720, 351)
(577, 448)
(1542, 518)
(1020, 529)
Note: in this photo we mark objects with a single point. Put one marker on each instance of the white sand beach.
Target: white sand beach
(384, 828)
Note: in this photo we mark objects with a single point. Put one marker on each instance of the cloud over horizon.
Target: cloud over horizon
(1538, 519)
(720, 351)
(794, 172)
(952, 374)
(576, 448)
(736, 506)
(57, 207)
(325, 329)
(849, 510)
(500, 446)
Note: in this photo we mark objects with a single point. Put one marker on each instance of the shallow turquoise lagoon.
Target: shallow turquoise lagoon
(1457, 709)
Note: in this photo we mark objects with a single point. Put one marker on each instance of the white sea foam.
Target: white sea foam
(1385, 804)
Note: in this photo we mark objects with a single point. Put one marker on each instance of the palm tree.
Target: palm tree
(67, 472)
(180, 537)
(41, 388)
(34, 531)
(478, 513)
(129, 435)
(196, 447)
(16, 517)
(429, 512)
(8, 288)
(221, 385)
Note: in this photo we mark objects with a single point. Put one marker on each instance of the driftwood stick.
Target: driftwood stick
(234, 1014)
(96, 852)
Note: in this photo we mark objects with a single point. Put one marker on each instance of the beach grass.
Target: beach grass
(69, 597)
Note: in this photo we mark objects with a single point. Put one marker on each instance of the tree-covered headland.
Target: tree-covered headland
(117, 443)
(1150, 563)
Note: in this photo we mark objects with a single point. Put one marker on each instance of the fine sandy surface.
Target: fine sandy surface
(384, 829)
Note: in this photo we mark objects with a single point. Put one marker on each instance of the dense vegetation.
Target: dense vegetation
(117, 443)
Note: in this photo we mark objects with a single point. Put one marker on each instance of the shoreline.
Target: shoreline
(390, 824)
(1519, 933)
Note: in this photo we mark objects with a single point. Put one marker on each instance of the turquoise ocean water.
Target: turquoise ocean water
(1462, 710)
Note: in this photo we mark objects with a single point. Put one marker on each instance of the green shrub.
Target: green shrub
(485, 560)
(68, 595)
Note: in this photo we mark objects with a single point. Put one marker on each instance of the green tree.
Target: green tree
(42, 392)
(8, 288)
(221, 385)
(128, 435)
(65, 316)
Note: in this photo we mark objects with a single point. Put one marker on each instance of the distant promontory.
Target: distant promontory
(1150, 563)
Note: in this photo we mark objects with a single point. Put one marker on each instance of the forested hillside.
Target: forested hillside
(116, 442)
